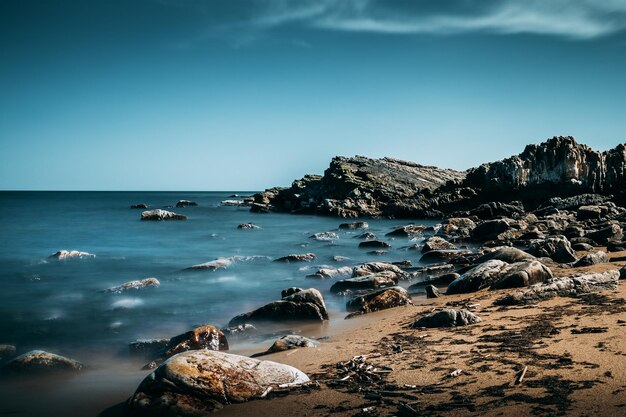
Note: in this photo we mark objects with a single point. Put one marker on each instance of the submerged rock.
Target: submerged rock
(366, 236)
(305, 305)
(186, 203)
(325, 236)
(151, 348)
(242, 331)
(219, 263)
(477, 278)
(592, 259)
(248, 226)
(368, 282)
(379, 300)
(71, 254)
(410, 230)
(195, 383)
(135, 285)
(563, 287)
(305, 257)
(289, 342)
(160, 214)
(354, 225)
(139, 206)
(448, 318)
(40, 362)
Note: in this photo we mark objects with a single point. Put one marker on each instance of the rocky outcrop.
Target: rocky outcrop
(37, 362)
(195, 383)
(447, 318)
(379, 300)
(160, 214)
(134, 285)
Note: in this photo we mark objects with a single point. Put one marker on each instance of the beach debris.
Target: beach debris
(360, 370)
(447, 318)
(197, 382)
(455, 373)
(304, 257)
(37, 362)
(521, 375)
(71, 254)
(160, 214)
(135, 285)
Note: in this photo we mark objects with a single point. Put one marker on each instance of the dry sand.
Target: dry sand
(574, 350)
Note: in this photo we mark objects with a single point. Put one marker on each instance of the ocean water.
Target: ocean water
(60, 306)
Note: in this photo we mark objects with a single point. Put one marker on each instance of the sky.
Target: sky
(248, 94)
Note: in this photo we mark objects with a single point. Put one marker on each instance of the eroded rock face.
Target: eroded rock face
(448, 318)
(558, 248)
(477, 278)
(379, 300)
(38, 362)
(563, 287)
(522, 274)
(195, 383)
(160, 214)
(368, 282)
(71, 254)
(135, 285)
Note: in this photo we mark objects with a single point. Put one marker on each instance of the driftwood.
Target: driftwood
(521, 376)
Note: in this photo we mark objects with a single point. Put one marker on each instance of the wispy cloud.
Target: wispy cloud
(574, 19)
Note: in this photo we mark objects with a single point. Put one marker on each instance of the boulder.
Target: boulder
(219, 263)
(305, 305)
(410, 231)
(186, 203)
(592, 259)
(379, 300)
(589, 213)
(615, 246)
(304, 257)
(457, 226)
(610, 233)
(563, 287)
(135, 285)
(374, 244)
(149, 348)
(489, 230)
(558, 248)
(286, 292)
(506, 254)
(325, 236)
(38, 362)
(582, 246)
(160, 214)
(288, 342)
(432, 291)
(495, 209)
(71, 254)
(241, 331)
(368, 282)
(443, 255)
(522, 274)
(437, 243)
(354, 225)
(139, 206)
(622, 272)
(447, 318)
(6, 351)
(248, 226)
(195, 383)
(375, 267)
(324, 273)
(477, 278)
(366, 236)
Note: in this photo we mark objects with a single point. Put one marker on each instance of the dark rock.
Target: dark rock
(457, 226)
(443, 255)
(592, 259)
(506, 254)
(615, 246)
(437, 243)
(150, 348)
(410, 231)
(289, 342)
(477, 278)
(574, 202)
(160, 214)
(366, 236)
(219, 263)
(186, 203)
(305, 305)
(288, 291)
(242, 331)
(489, 230)
(563, 287)
(604, 235)
(139, 206)
(37, 362)
(582, 246)
(196, 383)
(432, 291)
(495, 209)
(378, 252)
(6, 351)
(248, 226)
(354, 225)
(441, 281)
(375, 267)
(368, 282)
(305, 257)
(374, 244)
(447, 318)
(589, 213)
(203, 337)
(325, 236)
(574, 230)
(522, 274)
(379, 300)
(622, 272)
(135, 285)
(557, 248)
(260, 208)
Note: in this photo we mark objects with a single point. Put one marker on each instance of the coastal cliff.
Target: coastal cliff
(364, 187)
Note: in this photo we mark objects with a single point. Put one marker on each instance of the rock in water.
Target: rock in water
(204, 337)
(288, 342)
(477, 278)
(331, 272)
(195, 383)
(286, 292)
(71, 254)
(354, 225)
(248, 226)
(375, 267)
(437, 243)
(186, 203)
(219, 263)
(135, 285)
(139, 206)
(38, 362)
(379, 300)
(6, 351)
(305, 257)
(410, 230)
(448, 318)
(160, 214)
(374, 244)
(242, 331)
(325, 236)
(367, 282)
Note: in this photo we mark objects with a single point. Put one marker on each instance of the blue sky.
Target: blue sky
(243, 95)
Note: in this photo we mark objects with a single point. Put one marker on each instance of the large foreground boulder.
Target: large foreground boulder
(37, 362)
(305, 305)
(563, 287)
(522, 274)
(448, 318)
(477, 278)
(379, 300)
(195, 383)
(160, 214)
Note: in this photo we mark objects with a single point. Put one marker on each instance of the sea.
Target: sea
(61, 306)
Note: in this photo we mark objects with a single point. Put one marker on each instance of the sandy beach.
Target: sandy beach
(572, 350)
